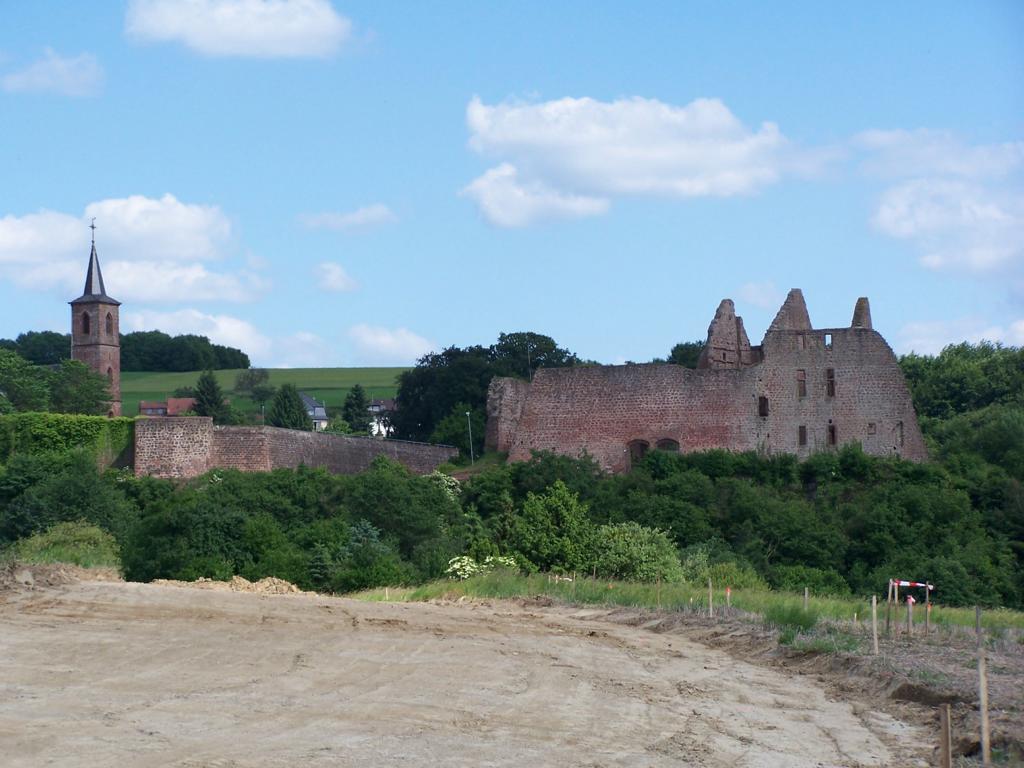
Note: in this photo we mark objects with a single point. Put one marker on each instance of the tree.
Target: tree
(22, 384)
(157, 351)
(76, 388)
(355, 410)
(686, 353)
(453, 429)
(522, 353)
(288, 411)
(43, 347)
(249, 379)
(210, 397)
(336, 425)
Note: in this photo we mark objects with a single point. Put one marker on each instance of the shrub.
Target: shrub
(631, 552)
(790, 616)
(820, 581)
(77, 543)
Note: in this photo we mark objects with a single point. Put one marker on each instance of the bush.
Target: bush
(820, 581)
(108, 441)
(790, 616)
(631, 552)
(77, 543)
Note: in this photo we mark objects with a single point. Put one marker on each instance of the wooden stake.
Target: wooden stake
(659, 593)
(888, 611)
(986, 736)
(927, 608)
(945, 738)
(807, 595)
(910, 617)
(711, 607)
(387, 594)
(728, 597)
(874, 622)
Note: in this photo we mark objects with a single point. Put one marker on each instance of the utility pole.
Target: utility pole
(469, 425)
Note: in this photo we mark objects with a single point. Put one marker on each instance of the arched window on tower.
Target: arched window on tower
(110, 324)
(85, 323)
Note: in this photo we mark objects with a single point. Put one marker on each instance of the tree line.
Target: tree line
(140, 351)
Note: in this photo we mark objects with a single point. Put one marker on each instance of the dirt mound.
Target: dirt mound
(21, 576)
(269, 585)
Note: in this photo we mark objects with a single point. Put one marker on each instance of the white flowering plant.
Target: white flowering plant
(465, 567)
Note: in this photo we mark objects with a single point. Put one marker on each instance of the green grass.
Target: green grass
(330, 385)
(684, 596)
(77, 543)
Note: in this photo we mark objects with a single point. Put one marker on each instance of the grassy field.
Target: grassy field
(328, 384)
(682, 596)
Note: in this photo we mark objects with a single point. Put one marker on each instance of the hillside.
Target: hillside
(328, 384)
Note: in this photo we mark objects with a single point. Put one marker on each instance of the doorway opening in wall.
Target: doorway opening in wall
(637, 450)
(832, 434)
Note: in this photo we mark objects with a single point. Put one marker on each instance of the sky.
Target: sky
(328, 183)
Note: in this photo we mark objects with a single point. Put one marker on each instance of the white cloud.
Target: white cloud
(79, 75)
(636, 146)
(360, 219)
(333, 277)
(257, 28)
(955, 223)
(929, 337)
(220, 329)
(929, 153)
(302, 350)
(152, 249)
(398, 346)
(762, 294)
(505, 202)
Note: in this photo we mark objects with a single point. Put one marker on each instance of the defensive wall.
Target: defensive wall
(188, 446)
(802, 390)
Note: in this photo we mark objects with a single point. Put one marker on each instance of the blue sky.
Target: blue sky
(329, 183)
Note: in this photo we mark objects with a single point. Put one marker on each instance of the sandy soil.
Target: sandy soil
(112, 674)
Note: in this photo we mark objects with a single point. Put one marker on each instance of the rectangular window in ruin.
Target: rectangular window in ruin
(762, 406)
(831, 434)
(899, 433)
(828, 341)
(801, 383)
(871, 428)
(830, 382)
(801, 341)
(803, 435)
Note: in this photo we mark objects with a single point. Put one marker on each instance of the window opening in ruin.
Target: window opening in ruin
(899, 433)
(802, 341)
(110, 324)
(762, 406)
(871, 428)
(803, 435)
(801, 383)
(638, 449)
(831, 434)
(85, 322)
(830, 382)
(668, 444)
(110, 375)
(828, 341)
(723, 356)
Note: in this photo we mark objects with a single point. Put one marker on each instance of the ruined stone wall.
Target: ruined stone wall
(601, 410)
(183, 447)
(173, 447)
(505, 400)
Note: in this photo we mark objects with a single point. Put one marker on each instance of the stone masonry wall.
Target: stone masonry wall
(173, 447)
(505, 400)
(602, 409)
(183, 447)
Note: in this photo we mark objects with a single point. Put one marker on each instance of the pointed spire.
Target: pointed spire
(95, 291)
(862, 314)
(793, 314)
(727, 345)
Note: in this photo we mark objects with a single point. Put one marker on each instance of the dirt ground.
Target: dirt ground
(109, 674)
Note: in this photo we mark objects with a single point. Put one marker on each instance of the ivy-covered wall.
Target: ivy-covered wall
(109, 440)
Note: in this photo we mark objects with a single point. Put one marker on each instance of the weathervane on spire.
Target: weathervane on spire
(93, 228)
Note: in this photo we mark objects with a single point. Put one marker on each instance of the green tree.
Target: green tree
(522, 353)
(23, 385)
(75, 388)
(210, 397)
(355, 410)
(453, 429)
(686, 353)
(336, 425)
(553, 532)
(250, 378)
(287, 410)
(43, 347)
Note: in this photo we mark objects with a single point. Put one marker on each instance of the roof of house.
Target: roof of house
(385, 404)
(314, 407)
(179, 405)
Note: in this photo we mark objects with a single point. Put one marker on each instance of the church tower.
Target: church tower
(95, 334)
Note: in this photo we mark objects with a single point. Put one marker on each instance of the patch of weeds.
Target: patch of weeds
(930, 676)
(832, 642)
(791, 615)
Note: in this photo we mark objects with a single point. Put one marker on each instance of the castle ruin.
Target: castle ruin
(801, 391)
